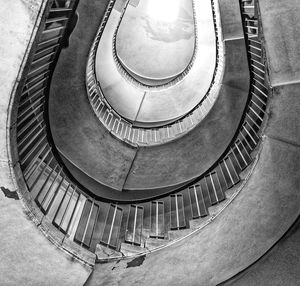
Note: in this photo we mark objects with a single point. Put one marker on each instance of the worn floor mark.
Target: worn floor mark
(9, 194)
(136, 261)
(115, 265)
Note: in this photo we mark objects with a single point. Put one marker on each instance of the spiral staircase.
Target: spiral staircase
(67, 142)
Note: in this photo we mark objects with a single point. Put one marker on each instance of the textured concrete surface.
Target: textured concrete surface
(280, 21)
(82, 138)
(191, 155)
(255, 220)
(208, 140)
(265, 208)
(231, 27)
(259, 215)
(284, 122)
(194, 153)
(77, 132)
(280, 266)
(27, 257)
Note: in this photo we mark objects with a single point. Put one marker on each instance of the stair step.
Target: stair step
(152, 243)
(130, 249)
(175, 234)
(104, 252)
(198, 222)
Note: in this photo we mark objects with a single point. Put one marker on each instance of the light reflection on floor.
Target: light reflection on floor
(157, 106)
(156, 38)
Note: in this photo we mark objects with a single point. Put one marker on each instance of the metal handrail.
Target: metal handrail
(158, 135)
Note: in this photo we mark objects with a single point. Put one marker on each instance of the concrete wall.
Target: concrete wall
(266, 207)
(279, 267)
(246, 229)
(257, 218)
(82, 138)
(76, 130)
(231, 27)
(280, 23)
(27, 257)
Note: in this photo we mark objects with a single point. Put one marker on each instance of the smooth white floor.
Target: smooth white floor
(164, 104)
(151, 33)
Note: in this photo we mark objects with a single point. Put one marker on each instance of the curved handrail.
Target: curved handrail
(123, 129)
(72, 209)
(174, 78)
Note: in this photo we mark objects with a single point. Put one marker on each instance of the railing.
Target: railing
(90, 221)
(173, 80)
(124, 129)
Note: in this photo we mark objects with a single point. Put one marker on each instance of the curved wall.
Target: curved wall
(78, 134)
(254, 221)
(156, 40)
(76, 131)
(191, 155)
(28, 252)
(273, 203)
(153, 107)
(266, 207)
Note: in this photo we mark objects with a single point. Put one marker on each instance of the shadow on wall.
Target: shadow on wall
(70, 28)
